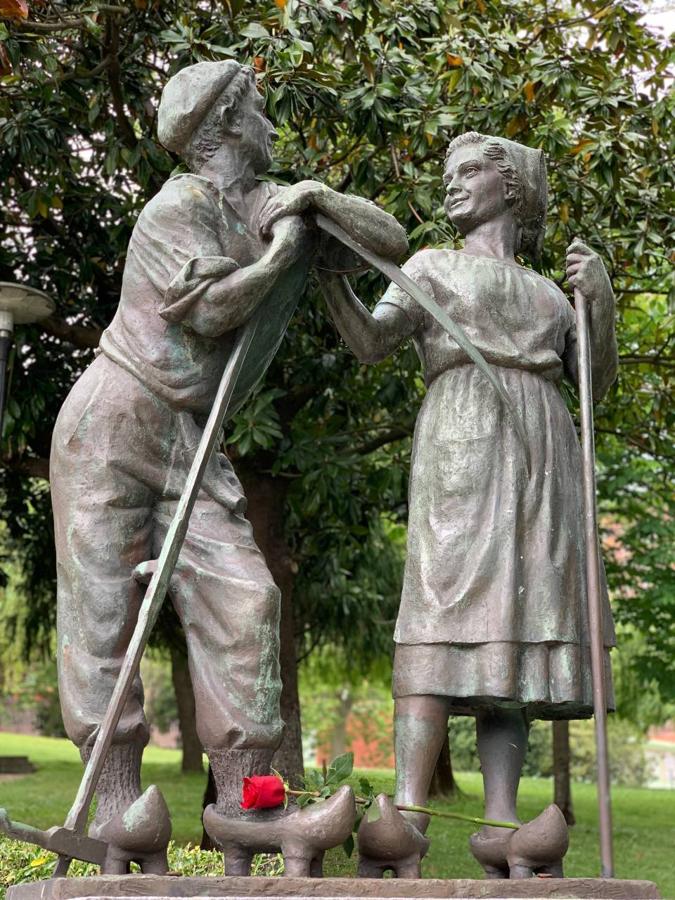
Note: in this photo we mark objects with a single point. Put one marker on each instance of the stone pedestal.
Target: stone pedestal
(167, 887)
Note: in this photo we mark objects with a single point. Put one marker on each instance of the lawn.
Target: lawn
(644, 820)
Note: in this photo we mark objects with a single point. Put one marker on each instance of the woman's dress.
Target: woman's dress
(493, 609)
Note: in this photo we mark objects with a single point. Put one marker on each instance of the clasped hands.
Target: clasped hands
(281, 221)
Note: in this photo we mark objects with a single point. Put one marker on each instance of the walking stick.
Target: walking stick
(156, 591)
(593, 583)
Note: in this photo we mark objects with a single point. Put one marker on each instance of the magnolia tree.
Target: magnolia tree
(365, 96)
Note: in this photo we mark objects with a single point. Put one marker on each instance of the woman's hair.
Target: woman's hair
(209, 136)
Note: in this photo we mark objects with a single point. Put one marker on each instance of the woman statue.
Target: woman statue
(492, 621)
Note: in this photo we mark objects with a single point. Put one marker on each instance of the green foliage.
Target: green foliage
(628, 763)
(639, 700)
(160, 698)
(365, 95)
(21, 863)
(33, 688)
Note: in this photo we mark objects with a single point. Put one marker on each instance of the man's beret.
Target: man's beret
(188, 96)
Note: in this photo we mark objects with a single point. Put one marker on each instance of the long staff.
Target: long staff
(156, 591)
(594, 596)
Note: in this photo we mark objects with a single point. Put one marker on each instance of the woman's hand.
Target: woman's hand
(290, 201)
(586, 272)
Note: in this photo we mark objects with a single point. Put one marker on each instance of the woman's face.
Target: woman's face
(474, 187)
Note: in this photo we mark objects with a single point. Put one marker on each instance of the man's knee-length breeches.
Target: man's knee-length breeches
(119, 460)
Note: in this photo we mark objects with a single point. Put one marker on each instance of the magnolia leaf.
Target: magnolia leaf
(514, 125)
(454, 61)
(13, 9)
(255, 30)
(5, 61)
(528, 90)
(581, 145)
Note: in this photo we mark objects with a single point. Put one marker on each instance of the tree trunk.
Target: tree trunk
(265, 511)
(562, 794)
(185, 701)
(443, 782)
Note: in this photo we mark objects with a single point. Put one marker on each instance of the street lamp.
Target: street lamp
(19, 305)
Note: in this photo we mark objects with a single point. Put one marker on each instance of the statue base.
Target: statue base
(171, 887)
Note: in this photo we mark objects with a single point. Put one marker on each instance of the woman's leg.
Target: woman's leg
(421, 726)
(502, 743)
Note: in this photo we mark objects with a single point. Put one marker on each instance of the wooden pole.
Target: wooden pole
(593, 587)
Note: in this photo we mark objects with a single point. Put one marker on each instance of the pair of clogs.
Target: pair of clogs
(302, 836)
(393, 843)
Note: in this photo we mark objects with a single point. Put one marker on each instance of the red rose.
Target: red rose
(262, 792)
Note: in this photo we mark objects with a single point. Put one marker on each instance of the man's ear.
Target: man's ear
(230, 119)
(510, 194)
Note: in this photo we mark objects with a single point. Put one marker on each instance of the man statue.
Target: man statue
(212, 248)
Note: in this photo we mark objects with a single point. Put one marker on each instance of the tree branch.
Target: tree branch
(66, 24)
(84, 337)
(651, 360)
(116, 94)
(388, 437)
(31, 466)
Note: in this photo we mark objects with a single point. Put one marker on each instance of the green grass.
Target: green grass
(644, 820)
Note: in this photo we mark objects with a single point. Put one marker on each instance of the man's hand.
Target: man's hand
(290, 239)
(586, 272)
(290, 201)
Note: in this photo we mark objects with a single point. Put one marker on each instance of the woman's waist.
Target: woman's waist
(549, 369)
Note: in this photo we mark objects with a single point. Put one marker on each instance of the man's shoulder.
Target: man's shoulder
(183, 194)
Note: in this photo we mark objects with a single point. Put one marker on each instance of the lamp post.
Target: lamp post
(19, 305)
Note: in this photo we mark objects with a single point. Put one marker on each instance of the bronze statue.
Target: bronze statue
(212, 248)
(492, 621)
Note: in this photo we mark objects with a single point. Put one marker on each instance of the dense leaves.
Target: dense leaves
(365, 95)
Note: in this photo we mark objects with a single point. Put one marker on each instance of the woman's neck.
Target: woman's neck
(497, 238)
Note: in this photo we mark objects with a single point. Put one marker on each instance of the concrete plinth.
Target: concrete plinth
(167, 887)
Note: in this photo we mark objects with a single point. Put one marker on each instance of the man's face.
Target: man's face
(257, 132)
(474, 188)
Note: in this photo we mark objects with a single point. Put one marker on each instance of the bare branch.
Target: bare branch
(50, 27)
(388, 437)
(652, 360)
(30, 466)
(82, 336)
(113, 68)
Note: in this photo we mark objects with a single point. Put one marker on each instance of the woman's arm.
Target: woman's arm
(370, 336)
(361, 219)
(586, 273)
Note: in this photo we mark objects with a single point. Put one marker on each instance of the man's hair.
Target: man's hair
(495, 151)
(209, 136)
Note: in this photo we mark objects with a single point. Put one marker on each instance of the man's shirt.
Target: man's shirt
(187, 238)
